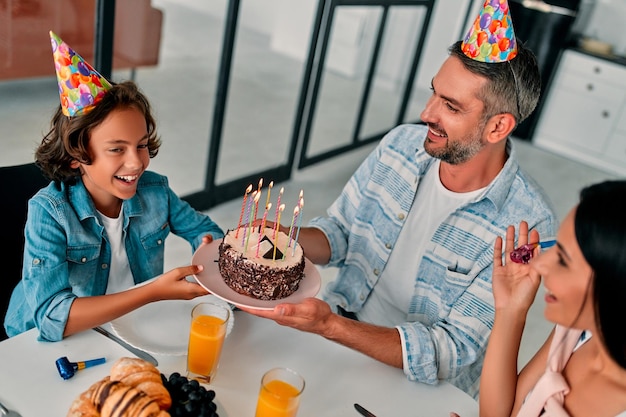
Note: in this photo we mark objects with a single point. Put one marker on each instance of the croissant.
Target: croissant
(83, 406)
(133, 389)
(144, 376)
(126, 401)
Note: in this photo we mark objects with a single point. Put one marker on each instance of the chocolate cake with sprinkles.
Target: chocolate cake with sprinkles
(266, 266)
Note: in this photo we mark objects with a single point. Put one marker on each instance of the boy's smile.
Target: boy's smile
(119, 151)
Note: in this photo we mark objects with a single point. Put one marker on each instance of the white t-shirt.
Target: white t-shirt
(388, 304)
(120, 277)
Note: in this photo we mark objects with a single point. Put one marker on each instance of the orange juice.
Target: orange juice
(277, 399)
(205, 345)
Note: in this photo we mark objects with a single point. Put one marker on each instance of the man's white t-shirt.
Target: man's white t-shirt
(120, 277)
(388, 303)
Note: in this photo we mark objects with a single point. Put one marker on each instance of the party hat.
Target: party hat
(491, 38)
(80, 86)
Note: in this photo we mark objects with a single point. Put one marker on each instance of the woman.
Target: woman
(581, 368)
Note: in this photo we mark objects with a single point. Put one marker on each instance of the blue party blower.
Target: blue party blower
(524, 253)
(67, 369)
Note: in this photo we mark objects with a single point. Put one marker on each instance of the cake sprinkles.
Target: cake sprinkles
(274, 274)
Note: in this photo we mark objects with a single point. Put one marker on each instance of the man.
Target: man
(413, 230)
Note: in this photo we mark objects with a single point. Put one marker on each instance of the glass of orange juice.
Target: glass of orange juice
(280, 393)
(206, 338)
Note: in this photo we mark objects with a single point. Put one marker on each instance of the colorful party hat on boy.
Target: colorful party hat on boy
(80, 86)
(491, 38)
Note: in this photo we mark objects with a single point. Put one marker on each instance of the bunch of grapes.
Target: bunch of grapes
(189, 398)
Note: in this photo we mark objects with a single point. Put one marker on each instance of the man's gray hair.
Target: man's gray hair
(512, 87)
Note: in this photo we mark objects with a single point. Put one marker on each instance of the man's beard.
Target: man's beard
(458, 151)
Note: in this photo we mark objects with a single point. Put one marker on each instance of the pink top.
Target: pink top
(547, 397)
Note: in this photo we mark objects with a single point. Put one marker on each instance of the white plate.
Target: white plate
(211, 279)
(162, 327)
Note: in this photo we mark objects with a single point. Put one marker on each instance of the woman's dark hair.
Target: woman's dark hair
(600, 227)
(68, 138)
(514, 86)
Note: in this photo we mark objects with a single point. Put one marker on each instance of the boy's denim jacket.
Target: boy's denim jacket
(67, 252)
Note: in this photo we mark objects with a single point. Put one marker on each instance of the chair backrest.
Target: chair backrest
(17, 185)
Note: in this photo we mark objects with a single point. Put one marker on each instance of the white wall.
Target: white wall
(288, 23)
(259, 15)
(447, 21)
(354, 29)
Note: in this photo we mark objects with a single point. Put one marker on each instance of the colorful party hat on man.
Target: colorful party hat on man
(80, 86)
(491, 38)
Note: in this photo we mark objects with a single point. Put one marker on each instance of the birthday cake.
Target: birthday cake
(252, 264)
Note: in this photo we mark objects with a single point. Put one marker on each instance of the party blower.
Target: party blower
(67, 369)
(524, 253)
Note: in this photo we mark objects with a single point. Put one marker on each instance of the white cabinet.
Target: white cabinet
(584, 116)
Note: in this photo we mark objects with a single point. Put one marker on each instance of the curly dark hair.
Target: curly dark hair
(600, 228)
(514, 86)
(68, 138)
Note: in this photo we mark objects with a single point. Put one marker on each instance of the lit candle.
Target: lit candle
(300, 203)
(256, 205)
(243, 205)
(262, 228)
(296, 209)
(293, 251)
(248, 213)
(280, 193)
(267, 209)
(269, 192)
(257, 196)
(280, 211)
(258, 190)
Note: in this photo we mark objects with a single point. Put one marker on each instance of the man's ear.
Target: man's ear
(75, 164)
(499, 127)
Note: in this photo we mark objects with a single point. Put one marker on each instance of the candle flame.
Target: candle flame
(243, 205)
(257, 196)
(269, 191)
(281, 207)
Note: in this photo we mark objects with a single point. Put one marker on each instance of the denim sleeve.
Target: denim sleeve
(45, 276)
(189, 223)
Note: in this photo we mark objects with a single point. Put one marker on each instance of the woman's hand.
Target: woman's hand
(514, 284)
